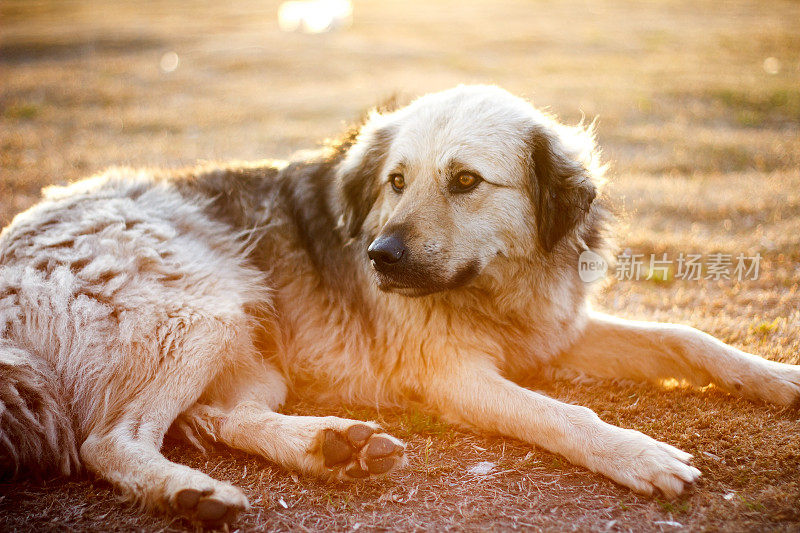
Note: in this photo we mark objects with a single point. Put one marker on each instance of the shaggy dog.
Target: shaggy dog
(431, 254)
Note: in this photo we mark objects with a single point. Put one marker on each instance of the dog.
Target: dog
(430, 255)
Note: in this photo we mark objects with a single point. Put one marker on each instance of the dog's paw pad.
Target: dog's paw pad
(380, 447)
(201, 507)
(359, 452)
(187, 499)
(359, 433)
(381, 465)
(335, 448)
(381, 454)
(211, 510)
(356, 472)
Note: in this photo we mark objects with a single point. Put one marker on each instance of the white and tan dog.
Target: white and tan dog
(430, 254)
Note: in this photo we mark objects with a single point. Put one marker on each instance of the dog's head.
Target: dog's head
(441, 188)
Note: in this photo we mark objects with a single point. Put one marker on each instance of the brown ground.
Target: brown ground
(705, 150)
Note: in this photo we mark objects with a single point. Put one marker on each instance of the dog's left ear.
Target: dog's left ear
(358, 180)
(562, 187)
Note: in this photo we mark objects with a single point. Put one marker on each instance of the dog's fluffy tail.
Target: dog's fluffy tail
(36, 433)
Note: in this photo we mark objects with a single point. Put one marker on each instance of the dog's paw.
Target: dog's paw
(360, 451)
(209, 506)
(644, 464)
(773, 382)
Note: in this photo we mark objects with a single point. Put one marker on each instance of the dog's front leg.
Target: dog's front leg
(473, 392)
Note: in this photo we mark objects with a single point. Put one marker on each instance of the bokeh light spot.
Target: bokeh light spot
(169, 62)
(772, 65)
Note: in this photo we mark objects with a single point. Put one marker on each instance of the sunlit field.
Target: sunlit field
(697, 108)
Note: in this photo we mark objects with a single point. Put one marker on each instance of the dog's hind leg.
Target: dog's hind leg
(625, 349)
(239, 411)
(125, 439)
(36, 433)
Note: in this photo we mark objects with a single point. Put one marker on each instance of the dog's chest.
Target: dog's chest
(383, 354)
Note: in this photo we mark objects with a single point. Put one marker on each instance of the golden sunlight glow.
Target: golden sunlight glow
(315, 16)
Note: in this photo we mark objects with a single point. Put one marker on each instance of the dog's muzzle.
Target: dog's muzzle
(397, 271)
(386, 253)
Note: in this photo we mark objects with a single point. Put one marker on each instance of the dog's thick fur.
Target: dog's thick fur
(133, 302)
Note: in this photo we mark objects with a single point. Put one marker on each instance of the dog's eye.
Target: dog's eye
(398, 182)
(465, 181)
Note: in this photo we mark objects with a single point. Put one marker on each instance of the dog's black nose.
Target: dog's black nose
(386, 251)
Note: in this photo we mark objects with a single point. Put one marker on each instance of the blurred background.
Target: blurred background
(698, 111)
(681, 87)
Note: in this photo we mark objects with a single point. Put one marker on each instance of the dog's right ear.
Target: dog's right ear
(358, 180)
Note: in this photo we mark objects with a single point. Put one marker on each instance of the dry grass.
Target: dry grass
(705, 151)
